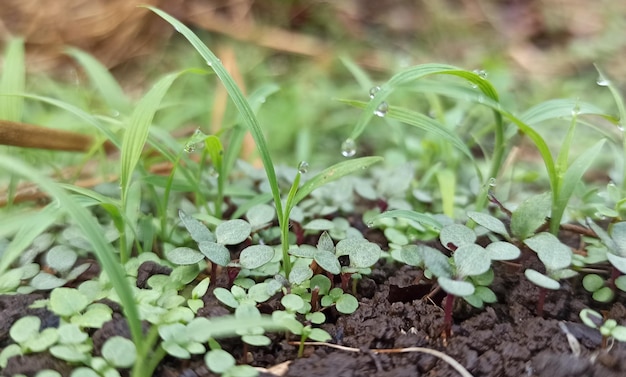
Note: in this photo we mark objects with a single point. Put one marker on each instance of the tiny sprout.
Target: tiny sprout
(608, 327)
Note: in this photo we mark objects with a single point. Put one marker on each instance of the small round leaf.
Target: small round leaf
(471, 260)
(456, 235)
(219, 361)
(119, 351)
(233, 232)
(184, 256)
(260, 215)
(458, 288)
(593, 282)
(66, 302)
(501, 250)
(217, 253)
(541, 280)
(489, 222)
(347, 304)
(255, 256)
(328, 261)
(198, 231)
(319, 224)
(61, 258)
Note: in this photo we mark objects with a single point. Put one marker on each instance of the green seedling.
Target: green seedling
(29, 338)
(563, 176)
(468, 272)
(237, 296)
(213, 246)
(556, 257)
(612, 249)
(296, 193)
(608, 327)
(361, 255)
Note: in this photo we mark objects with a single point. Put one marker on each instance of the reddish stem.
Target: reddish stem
(541, 300)
(614, 275)
(447, 318)
(345, 279)
(314, 298)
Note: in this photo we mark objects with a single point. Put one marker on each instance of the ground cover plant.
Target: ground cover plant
(413, 263)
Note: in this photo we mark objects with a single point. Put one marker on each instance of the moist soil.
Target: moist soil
(397, 309)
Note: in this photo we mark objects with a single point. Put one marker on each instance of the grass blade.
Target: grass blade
(413, 74)
(102, 80)
(245, 111)
(558, 108)
(333, 173)
(421, 218)
(12, 81)
(138, 129)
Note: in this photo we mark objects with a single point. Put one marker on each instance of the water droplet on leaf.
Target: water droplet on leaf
(374, 90)
(382, 109)
(481, 73)
(620, 127)
(603, 81)
(303, 167)
(576, 110)
(348, 148)
(492, 182)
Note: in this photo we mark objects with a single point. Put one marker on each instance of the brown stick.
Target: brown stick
(31, 136)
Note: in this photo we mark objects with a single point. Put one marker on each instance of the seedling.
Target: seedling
(213, 246)
(614, 252)
(608, 327)
(361, 254)
(556, 257)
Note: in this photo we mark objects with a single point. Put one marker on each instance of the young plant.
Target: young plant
(612, 250)
(556, 257)
(213, 246)
(361, 254)
(563, 176)
(608, 327)
(295, 194)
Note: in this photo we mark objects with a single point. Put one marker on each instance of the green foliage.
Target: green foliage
(607, 327)
(554, 255)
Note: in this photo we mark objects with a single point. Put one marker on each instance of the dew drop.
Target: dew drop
(190, 147)
(620, 127)
(481, 73)
(213, 173)
(382, 109)
(374, 90)
(370, 224)
(491, 182)
(603, 81)
(348, 148)
(303, 167)
(576, 110)
(114, 113)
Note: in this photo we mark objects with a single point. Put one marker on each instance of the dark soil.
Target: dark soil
(504, 339)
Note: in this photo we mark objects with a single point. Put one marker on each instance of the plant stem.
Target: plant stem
(447, 318)
(541, 300)
(284, 224)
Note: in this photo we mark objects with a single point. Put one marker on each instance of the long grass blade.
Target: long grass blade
(12, 81)
(245, 111)
(332, 174)
(138, 129)
(558, 108)
(421, 218)
(102, 80)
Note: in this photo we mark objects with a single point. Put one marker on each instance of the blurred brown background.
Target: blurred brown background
(540, 37)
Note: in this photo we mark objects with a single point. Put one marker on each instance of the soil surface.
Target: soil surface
(504, 339)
